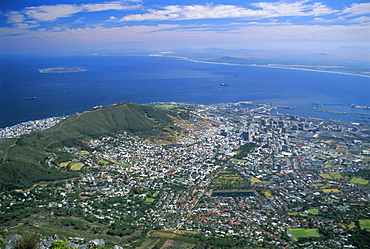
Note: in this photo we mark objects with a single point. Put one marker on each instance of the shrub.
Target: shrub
(60, 245)
(28, 241)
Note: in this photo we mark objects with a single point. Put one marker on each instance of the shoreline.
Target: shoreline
(46, 123)
(305, 113)
(264, 66)
(280, 67)
(29, 127)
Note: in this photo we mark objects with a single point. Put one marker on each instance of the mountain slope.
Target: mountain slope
(22, 158)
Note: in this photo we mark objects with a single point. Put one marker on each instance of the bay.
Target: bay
(145, 79)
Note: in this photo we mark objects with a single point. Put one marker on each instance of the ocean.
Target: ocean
(146, 79)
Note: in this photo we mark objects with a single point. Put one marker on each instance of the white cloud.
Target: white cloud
(253, 25)
(10, 31)
(191, 12)
(242, 32)
(15, 17)
(300, 8)
(52, 12)
(110, 6)
(264, 10)
(362, 19)
(48, 13)
(357, 9)
(112, 19)
(242, 35)
(18, 20)
(321, 9)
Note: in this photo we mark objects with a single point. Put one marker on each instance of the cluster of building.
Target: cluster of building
(28, 127)
(300, 171)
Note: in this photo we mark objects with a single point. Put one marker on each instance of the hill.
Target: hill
(26, 160)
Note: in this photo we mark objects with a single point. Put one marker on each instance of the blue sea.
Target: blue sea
(145, 79)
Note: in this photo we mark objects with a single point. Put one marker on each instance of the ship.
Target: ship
(30, 98)
(223, 84)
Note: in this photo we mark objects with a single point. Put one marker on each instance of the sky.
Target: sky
(44, 26)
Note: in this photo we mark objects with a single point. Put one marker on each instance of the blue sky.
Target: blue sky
(64, 25)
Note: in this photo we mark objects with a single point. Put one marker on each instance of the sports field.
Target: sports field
(77, 166)
(304, 233)
(331, 175)
(359, 180)
(313, 211)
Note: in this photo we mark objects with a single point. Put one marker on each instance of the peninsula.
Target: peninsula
(62, 70)
(189, 176)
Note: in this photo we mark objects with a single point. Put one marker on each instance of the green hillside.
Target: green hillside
(23, 159)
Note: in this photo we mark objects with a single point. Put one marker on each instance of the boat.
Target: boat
(30, 98)
(223, 84)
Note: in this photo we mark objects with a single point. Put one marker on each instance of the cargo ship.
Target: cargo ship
(30, 98)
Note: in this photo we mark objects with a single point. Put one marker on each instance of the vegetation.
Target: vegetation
(364, 224)
(27, 160)
(362, 173)
(304, 233)
(28, 241)
(77, 166)
(60, 245)
(314, 211)
(361, 239)
(244, 150)
(331, 175)
(359, 180)
(228, 180)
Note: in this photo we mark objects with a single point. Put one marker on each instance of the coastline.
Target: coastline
(263, 66)
(29, 126)
(280, 67)
(304, 110)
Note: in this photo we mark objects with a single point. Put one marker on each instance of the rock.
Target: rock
(12, 240)
(73, 245)
(77, 240)
(96, 243)
(48, 241)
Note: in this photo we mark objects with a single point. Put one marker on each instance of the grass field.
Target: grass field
(326, 176)
(313, 211)
(331, 190)
(255, 180)
(77, 166)
(335, 175)
(150, 200)
(63, 165)
(267, 193)
(126, 165)
(364, 224)
(167, 106)
(304, 233)
(228, 180)
(103, 162)
(331, 175)
(83, 152)
(359, 180)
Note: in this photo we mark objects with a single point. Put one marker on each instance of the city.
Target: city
(268, 180)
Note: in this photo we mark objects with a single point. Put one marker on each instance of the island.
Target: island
(62, 70)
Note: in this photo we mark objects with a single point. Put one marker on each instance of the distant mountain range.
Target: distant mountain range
(31, 158)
